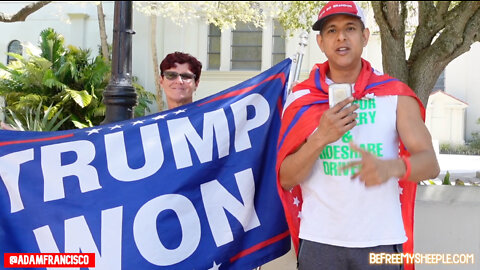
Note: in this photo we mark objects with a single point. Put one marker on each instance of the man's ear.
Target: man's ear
(366, 36)
(320, 42)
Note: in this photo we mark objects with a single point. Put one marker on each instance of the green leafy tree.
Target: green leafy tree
(445, 30)
(435, 32)
(23, 13)
(64, 76)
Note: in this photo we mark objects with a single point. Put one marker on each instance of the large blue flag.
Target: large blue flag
(189, 188)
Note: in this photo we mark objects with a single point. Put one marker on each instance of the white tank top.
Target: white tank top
(343, 212)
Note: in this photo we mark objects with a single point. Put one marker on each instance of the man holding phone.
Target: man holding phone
(357, 181)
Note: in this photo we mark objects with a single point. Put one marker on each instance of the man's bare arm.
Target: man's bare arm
(416, 138)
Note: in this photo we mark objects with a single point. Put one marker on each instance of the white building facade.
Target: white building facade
(228, 57)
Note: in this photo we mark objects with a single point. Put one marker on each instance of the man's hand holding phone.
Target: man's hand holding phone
(336, 121)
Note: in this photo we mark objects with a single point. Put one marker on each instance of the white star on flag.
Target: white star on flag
(95, 130)
(369, 96)
(299, 214)
(179, 111)
(296, 201)
(215, 266)
(115, 127)
(137, 122)
(400, 190)
(159, 117)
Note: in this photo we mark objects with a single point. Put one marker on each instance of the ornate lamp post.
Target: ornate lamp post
(119, 95)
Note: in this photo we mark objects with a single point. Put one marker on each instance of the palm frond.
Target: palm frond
(36, 119)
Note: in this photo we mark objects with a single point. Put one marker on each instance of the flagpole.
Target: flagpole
(298, 59)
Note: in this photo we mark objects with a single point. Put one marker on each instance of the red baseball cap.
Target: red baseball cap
(336, 8)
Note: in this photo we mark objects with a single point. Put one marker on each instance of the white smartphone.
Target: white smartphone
(338, 92)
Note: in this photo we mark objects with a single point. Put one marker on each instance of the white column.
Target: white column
(174, 37)
(202, 43)
(160, 38)
(267, 45)
(313, 53)
(78, 29)
(225, 50)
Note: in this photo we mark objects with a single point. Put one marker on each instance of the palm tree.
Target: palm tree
(64, 76)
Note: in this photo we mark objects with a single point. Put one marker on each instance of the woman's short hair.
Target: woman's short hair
(181, 58)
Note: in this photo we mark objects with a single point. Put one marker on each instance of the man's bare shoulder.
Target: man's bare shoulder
(408, 105)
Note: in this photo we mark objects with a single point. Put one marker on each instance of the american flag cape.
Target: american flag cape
(188, 188)
(302, 116)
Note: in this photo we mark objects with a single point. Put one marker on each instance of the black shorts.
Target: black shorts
(317, 256)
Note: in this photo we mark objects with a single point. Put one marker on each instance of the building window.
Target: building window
(214, 36)
(14, 47)
(278, 43)
(246, 47)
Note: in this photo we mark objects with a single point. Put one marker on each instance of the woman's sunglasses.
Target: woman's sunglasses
(172, 75)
